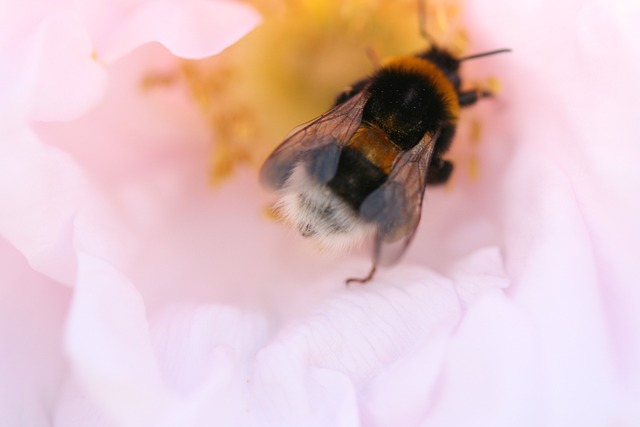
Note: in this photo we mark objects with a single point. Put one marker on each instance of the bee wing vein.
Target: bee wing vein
(318, 142)
(396, 206)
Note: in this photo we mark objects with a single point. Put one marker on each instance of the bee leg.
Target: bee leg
(470, 97)
(439, 171)
(364, 279)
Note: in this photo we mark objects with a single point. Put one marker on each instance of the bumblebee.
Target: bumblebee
(360, 169)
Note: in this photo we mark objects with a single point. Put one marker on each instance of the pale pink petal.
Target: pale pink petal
(196, 373)
(133, 129)
(367, 336)
(485, 264)
(162, 214)
(204, 353)
(491, 375)
(559, 287)
(76, 407)
(48, 71)
(32, 366)
(189, 29)
(41, 189)
(68, 79)
(570, 199)
(109, 347)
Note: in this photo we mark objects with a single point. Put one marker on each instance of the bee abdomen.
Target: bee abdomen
(355, 178)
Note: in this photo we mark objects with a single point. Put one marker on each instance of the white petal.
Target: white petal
(32, 364)
(109, 346)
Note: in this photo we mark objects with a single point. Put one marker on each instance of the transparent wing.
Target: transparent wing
(318, 144)
(395, 207)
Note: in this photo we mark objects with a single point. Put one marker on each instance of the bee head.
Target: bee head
(445, 61)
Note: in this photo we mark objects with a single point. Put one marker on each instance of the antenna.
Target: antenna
(480, 55)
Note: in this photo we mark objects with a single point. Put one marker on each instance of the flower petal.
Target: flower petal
(109, 346)
(203, 352)
(189, 29)
(570, 216)
(41, 189)
(355, 338)
(32, 365)
(68, 79)
(49, 72)
(556, 281)
(491, 377)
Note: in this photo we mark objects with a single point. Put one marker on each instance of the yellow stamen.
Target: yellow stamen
(475, 132)
(493, 85)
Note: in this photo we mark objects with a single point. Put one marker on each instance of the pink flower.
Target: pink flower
(135, 294)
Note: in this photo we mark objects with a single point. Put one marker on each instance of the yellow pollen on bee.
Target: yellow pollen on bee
(493, 85)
